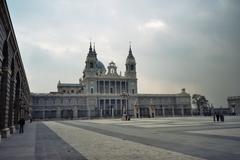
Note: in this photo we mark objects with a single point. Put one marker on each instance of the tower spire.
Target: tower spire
(130, 48)
(90, 48)
(94, 47)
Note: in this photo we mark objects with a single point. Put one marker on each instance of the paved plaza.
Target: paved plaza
(172, 138)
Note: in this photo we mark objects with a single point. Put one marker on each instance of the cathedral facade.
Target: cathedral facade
(103, 92)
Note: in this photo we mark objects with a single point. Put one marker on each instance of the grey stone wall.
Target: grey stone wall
(14, 89)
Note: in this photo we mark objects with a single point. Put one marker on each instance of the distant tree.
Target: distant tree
(202, 104)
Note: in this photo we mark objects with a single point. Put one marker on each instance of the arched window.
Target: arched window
(132, 67)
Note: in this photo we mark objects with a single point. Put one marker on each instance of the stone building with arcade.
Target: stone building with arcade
(14, 89)
(105, 92)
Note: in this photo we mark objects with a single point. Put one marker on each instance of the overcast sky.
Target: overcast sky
(192, 44)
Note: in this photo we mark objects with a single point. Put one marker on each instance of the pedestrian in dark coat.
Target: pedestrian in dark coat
(21, 123)
(217, 117)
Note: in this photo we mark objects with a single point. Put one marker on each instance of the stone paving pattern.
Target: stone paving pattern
(159, 138)
(37, 143)
(98, 146)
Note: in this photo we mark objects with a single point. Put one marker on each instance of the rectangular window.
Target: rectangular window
(123, 86)
(91, 90)
(132, 67)
(97, 86)
(133, 91)
(111, 90)
(91, 65)
(101, 86)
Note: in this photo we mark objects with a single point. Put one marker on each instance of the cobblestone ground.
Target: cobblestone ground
(172, 138)
(98, 146)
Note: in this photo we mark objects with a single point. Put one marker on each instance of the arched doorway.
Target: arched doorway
(144, 111)
(67, 114)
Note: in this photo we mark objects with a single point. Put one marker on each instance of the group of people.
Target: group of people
(218, 117)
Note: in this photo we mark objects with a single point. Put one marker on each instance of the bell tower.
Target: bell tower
(131, 73)
(91, 63)
(130, 65)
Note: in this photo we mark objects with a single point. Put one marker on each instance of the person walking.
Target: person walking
(21, 123)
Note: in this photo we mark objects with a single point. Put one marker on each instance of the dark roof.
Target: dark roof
(100, 65)
(68, 85)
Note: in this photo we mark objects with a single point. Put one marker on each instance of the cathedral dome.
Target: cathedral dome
(100, 67)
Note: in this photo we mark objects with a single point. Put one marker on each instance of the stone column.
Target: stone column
(11, 106)
(89, 113)
(136, 111)
(112, 112)
(163, 111)
(125, 107)
(152, 111)
(173, 112)
(98, 87)
(109, 86)
(104, 89)
(58, 112)
(182, 111)
(4, 102)
(75, 113)
(115, 87)
(120, 91)
(121, 107)
(109, 107)
(125, 83)
(43, 115)
(101, 112)
(104, 107)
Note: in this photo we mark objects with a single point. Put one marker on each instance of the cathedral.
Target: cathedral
(105, 92)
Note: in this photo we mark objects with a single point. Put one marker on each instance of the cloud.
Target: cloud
(153, 25)
(187, 44)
